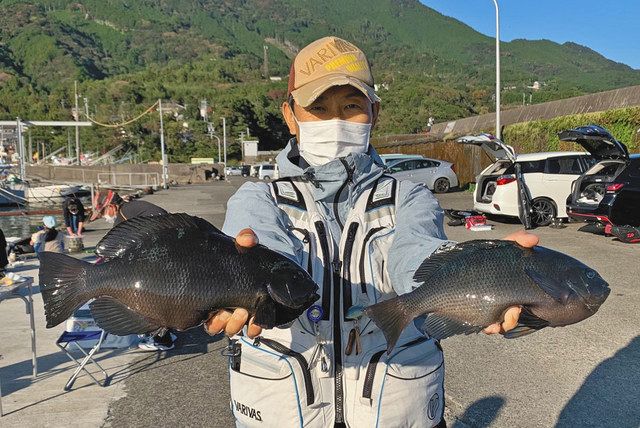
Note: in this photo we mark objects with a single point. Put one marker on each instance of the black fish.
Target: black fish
(467, 287)
(171, 271)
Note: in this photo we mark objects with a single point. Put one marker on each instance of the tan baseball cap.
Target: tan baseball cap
(327, 62)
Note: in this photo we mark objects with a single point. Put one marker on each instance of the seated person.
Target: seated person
(48, 238)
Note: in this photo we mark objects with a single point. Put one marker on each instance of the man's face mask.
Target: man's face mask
(325, 140)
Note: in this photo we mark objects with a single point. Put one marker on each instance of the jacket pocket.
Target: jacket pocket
(404, 389)
(272, 387)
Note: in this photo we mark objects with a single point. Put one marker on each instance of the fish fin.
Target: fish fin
(551, 286)
(440, 327)
(448, 253)
(63, 285)
(265, 315)
(132, 234)
(391, 317)
(116, 318)
(519, 331)
(527, 323)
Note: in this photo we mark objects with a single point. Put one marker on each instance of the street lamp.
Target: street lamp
(498, 130)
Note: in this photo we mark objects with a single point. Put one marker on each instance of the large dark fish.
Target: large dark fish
(171, 271)
(467, 287)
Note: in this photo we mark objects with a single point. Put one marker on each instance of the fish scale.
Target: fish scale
(172, 271)
(469, 286)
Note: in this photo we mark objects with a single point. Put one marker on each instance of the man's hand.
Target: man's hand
(511, 315)
(232, 323)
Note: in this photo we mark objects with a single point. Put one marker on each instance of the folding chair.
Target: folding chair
(68, 338)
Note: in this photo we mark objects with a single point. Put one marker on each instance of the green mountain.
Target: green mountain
(127, 53)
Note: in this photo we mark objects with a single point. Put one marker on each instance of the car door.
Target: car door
(559, 173)
(424, 171)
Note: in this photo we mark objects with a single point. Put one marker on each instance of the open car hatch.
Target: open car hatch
(492, 146)
(597, 141)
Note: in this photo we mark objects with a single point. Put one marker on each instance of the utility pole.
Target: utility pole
(30, 157)
(164, 158)
(265, 61)
(498, 129)
(224, 144)
(77, 117)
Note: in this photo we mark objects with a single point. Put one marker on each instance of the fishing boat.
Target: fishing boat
(55, 192)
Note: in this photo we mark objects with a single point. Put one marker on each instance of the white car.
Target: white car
(392, 157)
(268, 172)
(547, 176)
(439, 176)
(233, 170)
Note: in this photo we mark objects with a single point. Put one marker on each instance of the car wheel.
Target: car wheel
(267, 178)
(543, 211)
(441, 185)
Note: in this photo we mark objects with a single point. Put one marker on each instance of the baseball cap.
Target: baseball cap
(49, 221)
(330, 61)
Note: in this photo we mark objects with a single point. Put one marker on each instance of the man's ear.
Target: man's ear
(375, 110)
(287, 114)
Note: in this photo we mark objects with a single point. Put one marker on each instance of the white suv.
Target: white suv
(547, 177)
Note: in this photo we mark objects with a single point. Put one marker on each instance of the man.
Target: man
(114, 209)
(74, 217)
(361, 235)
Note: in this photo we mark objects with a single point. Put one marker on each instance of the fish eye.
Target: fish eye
(591, 274)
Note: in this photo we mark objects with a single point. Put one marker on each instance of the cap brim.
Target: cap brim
(307, 94)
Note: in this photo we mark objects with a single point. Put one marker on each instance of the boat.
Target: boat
(56, 192)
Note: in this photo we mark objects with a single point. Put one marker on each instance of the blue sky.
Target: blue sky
(610, 27)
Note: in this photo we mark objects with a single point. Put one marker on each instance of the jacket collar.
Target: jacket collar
(359, 170)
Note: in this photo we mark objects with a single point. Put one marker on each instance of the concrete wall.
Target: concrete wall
(602, 101)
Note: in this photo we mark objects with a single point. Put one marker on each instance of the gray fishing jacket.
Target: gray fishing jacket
(362, 235)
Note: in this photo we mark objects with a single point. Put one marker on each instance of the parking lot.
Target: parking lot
(582, 375)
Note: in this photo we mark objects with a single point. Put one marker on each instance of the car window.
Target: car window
(402, 166)
(563, 165)
(634, 168)
(269, 167)
(427, 164)
(527, 167)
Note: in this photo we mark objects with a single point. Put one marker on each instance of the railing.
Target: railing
(129, 179)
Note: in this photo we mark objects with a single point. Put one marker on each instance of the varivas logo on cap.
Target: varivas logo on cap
(328, 62)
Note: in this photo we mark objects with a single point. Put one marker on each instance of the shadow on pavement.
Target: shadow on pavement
(18, 376)
(609, 395)
(481, 413)
(189, 344)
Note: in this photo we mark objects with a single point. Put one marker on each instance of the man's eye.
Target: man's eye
(316, 108)
(353, 106)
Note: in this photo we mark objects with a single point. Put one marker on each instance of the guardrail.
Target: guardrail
(129, 179)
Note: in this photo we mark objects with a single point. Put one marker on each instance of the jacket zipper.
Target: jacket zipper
(346, 259)
(369, 377)
(278, 347)
(337, 197)
(326, 279)
(337, 344)
(363, 281)
(306, 240)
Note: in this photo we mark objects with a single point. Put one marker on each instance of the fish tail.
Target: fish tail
(391, 316)
(62, 284)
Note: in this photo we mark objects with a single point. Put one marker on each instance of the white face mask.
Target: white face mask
(109, 218)
(325, 140)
